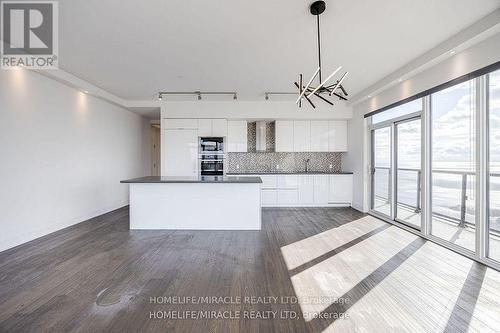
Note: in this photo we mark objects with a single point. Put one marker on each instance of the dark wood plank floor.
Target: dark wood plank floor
(98, 276)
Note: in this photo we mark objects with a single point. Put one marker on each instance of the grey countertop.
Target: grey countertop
(200, 179)
(291, 173)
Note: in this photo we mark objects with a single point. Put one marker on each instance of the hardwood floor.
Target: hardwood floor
(336, 262)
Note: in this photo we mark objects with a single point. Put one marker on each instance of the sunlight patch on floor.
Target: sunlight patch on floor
(338, 274)
(305, 250)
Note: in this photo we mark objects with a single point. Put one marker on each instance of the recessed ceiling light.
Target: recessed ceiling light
(452, 52)
(400, 80)
(369, 96)
(86, 91)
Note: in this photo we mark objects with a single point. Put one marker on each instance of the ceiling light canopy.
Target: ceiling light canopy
(308, 91)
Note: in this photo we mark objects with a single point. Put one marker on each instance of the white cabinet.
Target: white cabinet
(319, 135)
(306, 189)
(321, 184)
(204, 127)
(179, 149)
(179, 123)
(340, 189)
(269, 181)
(284, 136)
(269, 197)
(219, 127)
(237, 139)
(212, 127)
(337, 135)
(301, 136)
(287, 197)
(288, 182)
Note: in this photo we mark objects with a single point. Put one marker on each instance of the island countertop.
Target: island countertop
(199, 179)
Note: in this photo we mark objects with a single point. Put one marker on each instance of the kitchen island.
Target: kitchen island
(195, 203)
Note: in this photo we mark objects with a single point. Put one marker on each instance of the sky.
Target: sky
(453, 129)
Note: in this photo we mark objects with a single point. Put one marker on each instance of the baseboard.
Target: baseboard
(59, 225)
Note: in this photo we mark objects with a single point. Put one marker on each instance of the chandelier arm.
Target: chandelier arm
(307, 86)
(314, 107)
(340, 96)
(339, 82)
(324, 99)
(323, 83)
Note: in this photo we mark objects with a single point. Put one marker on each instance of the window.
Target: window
(453, 164)
(398, 111)
(494, 157)
(451, 130)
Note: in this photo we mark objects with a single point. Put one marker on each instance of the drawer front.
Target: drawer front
(287, 197)
(269, 197)
(288, 181)
(268, 181)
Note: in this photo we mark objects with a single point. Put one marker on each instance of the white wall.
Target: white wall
(354, 160)
(254, 110)
(62, 155)
(471, 59)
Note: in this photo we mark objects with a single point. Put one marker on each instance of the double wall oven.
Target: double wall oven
(211, 156)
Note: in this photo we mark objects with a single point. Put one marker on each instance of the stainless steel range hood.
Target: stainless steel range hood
(261, 136)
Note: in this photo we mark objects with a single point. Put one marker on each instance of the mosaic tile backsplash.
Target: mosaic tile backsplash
(284, 162)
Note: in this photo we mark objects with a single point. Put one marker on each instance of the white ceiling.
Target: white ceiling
(134, 48)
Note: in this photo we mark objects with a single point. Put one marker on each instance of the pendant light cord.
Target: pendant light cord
(319, 50)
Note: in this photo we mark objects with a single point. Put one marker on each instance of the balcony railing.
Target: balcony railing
(464, 180)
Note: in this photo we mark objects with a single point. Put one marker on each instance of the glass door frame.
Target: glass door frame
(372, 170)
(391, 124)
(395, 177)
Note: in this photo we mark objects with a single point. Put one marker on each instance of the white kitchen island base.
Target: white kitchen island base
(229, 204)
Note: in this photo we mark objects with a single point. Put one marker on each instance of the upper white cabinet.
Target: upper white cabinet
(212, 127)
(314, 136)
(284, 136)
(179, 123)
(219, 127)
(302, 135)
(337, 135)
(204, 127)
(340, 189)
(237, 139)
(319, 136)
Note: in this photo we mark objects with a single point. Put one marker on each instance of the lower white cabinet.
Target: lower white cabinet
(340, 189)
(321, 187)
(288, 197)
(321, 190)
(269, 197)
(306, 189)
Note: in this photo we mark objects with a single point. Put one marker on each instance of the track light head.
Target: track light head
(267, 96)
(199, 97)
(235, 97)
(159, 97)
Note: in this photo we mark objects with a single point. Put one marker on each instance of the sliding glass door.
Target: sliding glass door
(408, 174)
(436, 164)
(453, 165)
(381, 171)
(494, 165)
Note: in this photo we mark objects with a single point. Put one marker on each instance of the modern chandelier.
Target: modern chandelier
(323, 89)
